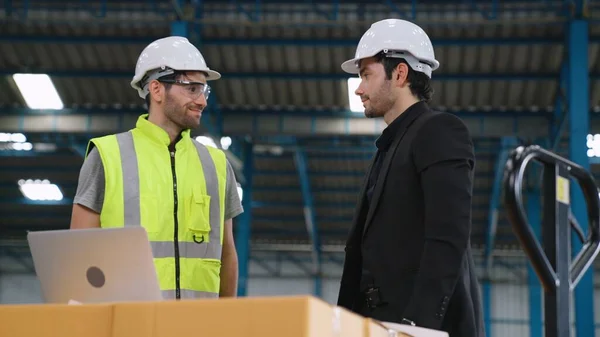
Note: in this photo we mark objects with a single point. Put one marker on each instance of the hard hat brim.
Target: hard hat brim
(211, 75)
(350, 66)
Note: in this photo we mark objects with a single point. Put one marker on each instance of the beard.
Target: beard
(380, 102)
(177, 114)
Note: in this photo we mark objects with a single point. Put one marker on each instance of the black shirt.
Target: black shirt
(384, 142)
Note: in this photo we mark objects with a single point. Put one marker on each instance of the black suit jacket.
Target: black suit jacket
(414, 237)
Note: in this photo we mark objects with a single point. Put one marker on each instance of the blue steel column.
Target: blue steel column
(505, 146)
(579, 113)
(309, 218)
(534, 207)
(243, 228)
(179, 28)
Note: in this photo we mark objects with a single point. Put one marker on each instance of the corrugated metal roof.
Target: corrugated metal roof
(302, 69)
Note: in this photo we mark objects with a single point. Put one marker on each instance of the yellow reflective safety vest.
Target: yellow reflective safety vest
(178, 197)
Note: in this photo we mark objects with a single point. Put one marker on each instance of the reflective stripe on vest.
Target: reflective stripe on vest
(186, 293)
(131, 187)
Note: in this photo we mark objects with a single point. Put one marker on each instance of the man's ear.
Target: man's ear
(157, 91)
(400, 75)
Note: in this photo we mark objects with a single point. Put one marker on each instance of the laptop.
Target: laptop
(95, 265)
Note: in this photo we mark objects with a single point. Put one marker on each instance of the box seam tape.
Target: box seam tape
(337, 322)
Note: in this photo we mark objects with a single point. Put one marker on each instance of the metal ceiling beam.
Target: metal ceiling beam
(127, 74)
(93, 112)
(346, 113)
(258, 11)
(85, 123)
(299, 122)
(279, 122)
(265, 122)
(336, 42)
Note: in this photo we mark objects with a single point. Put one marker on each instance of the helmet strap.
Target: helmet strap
(412, 61)
(154, 75)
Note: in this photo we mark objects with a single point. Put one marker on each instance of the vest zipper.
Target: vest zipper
(176, 230)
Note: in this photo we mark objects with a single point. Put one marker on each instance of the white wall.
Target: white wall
(274, 287)
(19, 288)
(510, 310)
(25, 288)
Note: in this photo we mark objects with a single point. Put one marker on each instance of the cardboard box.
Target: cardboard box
(242, 317)
(300, 316)
(50, 320)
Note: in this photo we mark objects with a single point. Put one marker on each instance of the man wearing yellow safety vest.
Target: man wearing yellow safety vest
(156, 176)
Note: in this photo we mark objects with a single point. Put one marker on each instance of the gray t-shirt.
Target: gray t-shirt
(90, 190)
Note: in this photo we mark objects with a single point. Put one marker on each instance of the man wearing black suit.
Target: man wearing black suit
(408, 255)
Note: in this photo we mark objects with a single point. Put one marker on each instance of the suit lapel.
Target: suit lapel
(385, 166)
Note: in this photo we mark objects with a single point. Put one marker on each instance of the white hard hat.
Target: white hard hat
(396, 38)
(165, 56)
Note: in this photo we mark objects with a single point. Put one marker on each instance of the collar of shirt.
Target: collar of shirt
(157, 134)
(387, 136)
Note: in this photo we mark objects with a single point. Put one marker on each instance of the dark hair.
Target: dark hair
(420, 84)
(174, 76)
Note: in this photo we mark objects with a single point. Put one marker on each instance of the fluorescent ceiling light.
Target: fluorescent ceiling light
(14, 141)
(593, 145)
(12, 137)
(206, 141)
(22, 146)
(225, 142)
(354, 101)
(38, 91)
(40, 190)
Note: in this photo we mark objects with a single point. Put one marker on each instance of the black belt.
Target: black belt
(373, 299)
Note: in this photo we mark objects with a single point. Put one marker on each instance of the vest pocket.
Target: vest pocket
(202, 275)
(199, 217)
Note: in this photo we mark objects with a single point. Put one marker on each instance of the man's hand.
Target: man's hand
(229, 263)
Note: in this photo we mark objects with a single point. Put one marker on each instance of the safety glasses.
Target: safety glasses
(192, 89)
